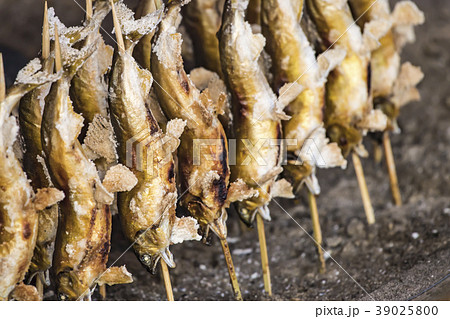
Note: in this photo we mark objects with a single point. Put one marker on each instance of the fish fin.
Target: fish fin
(312, 183)
(24, 292)
(376, 120)
(329, 60)
(119, 178)
(274, 172)
(407, 13)
(185, 228)
(174, 130)
(100, 138)
(288, 93)
(317, 151)
(219, 227)
(404, 90)
(282, 188)
(102, 195)
(373, 32)
(46, 197)
(134, 29)
(239, 191)
(115, 276)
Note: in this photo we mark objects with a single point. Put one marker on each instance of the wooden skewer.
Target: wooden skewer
(58, 61)
(89, 11)
(363, 188)
(391, 169)
(45, 34)
(264, 255)
(317, 232)
(167, 283)
(40, 286)
(117, 28)
(377, 152)
(102, 291)
(231, 271)
(2, 80)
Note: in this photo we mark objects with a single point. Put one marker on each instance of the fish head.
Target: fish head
(346, 136)
(70, 287)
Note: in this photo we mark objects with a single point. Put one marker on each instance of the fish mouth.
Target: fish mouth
(248, 215)
(346, 137)
(70, 288)
(150, 262)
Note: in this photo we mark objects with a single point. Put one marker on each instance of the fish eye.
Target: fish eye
(62, 296)
(146, 259)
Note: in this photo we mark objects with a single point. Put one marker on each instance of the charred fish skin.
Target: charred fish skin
(83, 237)
(294, 60)
(205, 180)
(18, 211)
(147, 212)
(255, 109)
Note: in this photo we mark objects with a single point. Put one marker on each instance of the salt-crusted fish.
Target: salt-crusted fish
(83, 238)
(294, 60)
(257, 113)
(147, 212)
(203, 153)
(30, 118)
(349, 111)
(393, 85)
(19, 204)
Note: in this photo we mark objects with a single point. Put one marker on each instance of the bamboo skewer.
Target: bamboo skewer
(167, 283)
(40, 287)
(368, 208)
(102, 291)
(264, 255)
(393, 180)
(231, 270)
(2, 80)
(317, 232)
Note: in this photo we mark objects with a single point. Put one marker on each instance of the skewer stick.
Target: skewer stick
(45, 34)
(40, 286)
(231, 271)
(2, 80)
(117, 28)
(167, 283)
(102, 291)
(264, 255)
(391, 169)
(89, 11)
(363, 188)
(317, 232)
(377, 152)
(58, 61)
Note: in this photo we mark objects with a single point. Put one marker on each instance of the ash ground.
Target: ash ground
(406, 251)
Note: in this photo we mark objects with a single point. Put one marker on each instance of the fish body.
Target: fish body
(256, 111)
(294, 60)
(203, 152)
(147, 211)
(348, 91)
(18, 208)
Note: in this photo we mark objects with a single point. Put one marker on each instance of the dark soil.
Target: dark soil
(404, 253)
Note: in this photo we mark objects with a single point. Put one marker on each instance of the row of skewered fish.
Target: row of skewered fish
(290, 85)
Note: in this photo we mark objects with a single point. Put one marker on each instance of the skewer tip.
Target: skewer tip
(2, 80)
(45, 34)
(58, 61)
(117, 29)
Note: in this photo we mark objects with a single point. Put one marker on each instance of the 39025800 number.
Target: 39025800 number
(406, 310)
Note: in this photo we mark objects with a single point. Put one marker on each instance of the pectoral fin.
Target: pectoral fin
(115, 276)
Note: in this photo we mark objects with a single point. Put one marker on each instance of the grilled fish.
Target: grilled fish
(294, 60)
(147, 212)
(19, 205)
(83, 237)
(257, 113)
